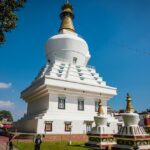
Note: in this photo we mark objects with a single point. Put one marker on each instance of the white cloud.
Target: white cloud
(5, 85)
(6, 104)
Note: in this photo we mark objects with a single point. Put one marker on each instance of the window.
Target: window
(63, 64)
(80, 74)
(48, 126)
(88, 127)
(59, 75)
(74, 60)
(60, 71)
(61, 102)
(79, 70)
(82, 78)
(120, 126)
(95, 78)
(108, 124)
(92, 74)
(99, 82)
(80, 104)
(96, 106)
(68, 126)
(61, 67)
(49, 61)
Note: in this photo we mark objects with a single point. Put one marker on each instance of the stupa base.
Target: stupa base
(126, 142)
(101, 141)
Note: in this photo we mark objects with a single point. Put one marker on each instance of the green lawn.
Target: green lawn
(51, 146)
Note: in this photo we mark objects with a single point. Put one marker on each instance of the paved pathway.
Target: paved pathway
(3, 141)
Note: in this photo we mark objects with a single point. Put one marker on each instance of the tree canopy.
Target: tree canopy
(8, 17)
(5, 114)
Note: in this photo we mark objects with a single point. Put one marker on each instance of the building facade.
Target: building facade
(145, 120)
(64, 96)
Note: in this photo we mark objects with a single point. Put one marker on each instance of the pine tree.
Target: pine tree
(8, 18)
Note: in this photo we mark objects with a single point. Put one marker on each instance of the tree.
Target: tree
(5, 114)
(8, 18)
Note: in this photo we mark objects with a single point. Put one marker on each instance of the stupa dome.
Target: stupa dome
(101, 119)
(67, 45)
(130, 118)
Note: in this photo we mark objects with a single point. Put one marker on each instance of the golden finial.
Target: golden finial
(129, 107)
(100, 107)
(67, 17)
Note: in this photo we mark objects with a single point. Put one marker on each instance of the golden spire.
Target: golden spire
(67, 17)
(100, 107)
(129, 107)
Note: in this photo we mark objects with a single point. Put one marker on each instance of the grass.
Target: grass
(51, 146)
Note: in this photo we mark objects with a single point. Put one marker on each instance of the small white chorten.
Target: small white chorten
(101, 136)
(131, 135)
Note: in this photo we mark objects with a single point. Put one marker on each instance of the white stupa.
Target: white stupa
(101, 136)
(131, 135)
(66, 91)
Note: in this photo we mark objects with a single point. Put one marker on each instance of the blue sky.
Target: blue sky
(118, 35)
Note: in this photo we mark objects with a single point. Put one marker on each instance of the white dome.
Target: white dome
(100, 120)
(67, 46)
(131, 119)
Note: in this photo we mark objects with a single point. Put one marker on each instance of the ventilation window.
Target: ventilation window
(98, 82)
(49, 61)
(79, 70)
(59, 75)
(95, 78)
(81, 78)
(63, 64)
(74, 60)
(61, 67)
(77, 66)
(92, 74)
(60, 71)
(80, 74)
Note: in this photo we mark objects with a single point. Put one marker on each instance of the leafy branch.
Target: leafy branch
(8, 18)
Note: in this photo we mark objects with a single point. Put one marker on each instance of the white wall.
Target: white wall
(38, 105)
(78, 127)
(70, 113)
(59, 116)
